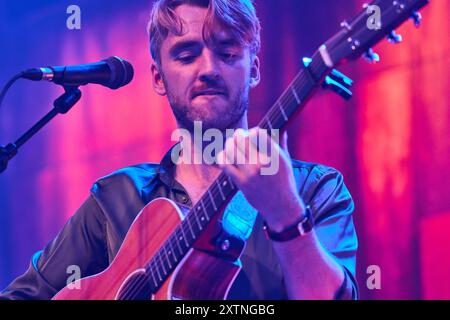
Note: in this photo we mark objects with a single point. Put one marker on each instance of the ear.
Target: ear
(255, 75)
(157, 80)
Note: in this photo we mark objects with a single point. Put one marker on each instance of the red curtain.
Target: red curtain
(391, 141)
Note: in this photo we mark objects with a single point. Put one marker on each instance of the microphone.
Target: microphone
(113, 73)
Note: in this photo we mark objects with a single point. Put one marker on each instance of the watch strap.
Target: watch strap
(304, 226)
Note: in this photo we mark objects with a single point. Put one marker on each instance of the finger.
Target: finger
(253, 154)
(240, 139)
(265, 147)
(229, 169)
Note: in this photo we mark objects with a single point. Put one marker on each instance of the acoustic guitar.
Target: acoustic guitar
(166, 256)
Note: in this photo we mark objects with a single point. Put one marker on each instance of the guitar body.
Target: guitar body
(200, 275)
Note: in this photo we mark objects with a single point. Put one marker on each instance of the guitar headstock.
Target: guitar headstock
(376, 21)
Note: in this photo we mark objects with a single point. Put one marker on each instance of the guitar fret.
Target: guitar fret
(167, 257)
(172, 250)
(198, 221)
(153, 277)
(183, 237)
(269, 123)
(157, 271)
(202, 218)
(212, 200)
(190, 227)
(231, 183)
(162, 263)
(280, 106)
(204, 209)
(178, 243)
(220, 190)
(295, 95)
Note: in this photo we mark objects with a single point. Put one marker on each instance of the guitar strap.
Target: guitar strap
(239, 217)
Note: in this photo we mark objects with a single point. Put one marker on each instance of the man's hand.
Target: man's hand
(274, 195)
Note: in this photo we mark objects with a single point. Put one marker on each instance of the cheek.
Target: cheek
(178, 83)
(238, 80)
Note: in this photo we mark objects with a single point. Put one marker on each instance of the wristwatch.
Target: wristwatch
(304, 226)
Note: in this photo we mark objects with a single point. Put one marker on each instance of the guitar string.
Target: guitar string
(274, 114)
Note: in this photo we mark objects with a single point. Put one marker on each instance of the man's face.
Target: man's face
(208, 84)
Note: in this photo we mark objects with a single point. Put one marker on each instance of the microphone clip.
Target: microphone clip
(67, 100)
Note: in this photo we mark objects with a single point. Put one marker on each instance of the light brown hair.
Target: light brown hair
(238, 16)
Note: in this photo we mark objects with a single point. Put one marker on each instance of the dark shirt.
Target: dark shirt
(94, 234)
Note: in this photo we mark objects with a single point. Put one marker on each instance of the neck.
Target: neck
(193, 171)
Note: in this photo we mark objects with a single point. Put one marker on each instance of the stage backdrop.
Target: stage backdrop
(391, 141)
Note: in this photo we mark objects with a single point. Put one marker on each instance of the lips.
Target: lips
(208, 92)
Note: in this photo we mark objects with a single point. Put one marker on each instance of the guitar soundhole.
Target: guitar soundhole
(136, 287)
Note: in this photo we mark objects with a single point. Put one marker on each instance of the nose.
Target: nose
(209, 67)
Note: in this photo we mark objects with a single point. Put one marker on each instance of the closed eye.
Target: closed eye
(229, 57)
(186, 58)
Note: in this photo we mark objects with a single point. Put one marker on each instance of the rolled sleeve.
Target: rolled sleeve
(332, 205)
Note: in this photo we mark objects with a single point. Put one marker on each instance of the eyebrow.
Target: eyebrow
(189, 44)
(228, 42)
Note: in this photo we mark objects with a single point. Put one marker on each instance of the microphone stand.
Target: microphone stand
(61, 105)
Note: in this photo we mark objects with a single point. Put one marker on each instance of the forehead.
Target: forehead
(193, 19)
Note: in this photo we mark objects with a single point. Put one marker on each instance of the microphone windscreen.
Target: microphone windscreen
(121, 72)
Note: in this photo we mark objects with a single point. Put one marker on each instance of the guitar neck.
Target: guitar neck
(294, 98)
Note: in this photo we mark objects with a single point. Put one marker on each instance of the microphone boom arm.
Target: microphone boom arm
(61, 106)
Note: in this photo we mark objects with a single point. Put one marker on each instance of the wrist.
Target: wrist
(300, 228)
(286, 219)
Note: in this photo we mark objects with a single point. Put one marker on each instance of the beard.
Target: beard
(222, 118)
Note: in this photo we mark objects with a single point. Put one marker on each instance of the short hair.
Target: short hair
(238, 16)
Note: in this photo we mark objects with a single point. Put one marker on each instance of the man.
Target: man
(205, 62)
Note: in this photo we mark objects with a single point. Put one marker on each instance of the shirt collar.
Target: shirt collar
(165, 172)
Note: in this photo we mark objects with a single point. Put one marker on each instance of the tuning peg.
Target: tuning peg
(341, 78)
(417, 18)
(371, 56)
(393, 37)
(337, 86)
(306, 61)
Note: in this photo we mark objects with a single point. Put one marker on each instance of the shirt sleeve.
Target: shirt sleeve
(332, 206)
(80, 245)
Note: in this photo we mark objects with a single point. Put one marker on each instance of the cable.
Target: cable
(8, 85)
